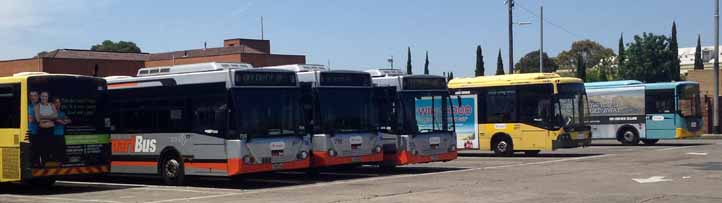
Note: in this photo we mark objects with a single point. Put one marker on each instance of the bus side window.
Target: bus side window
(10, 106)
(501, 105)
(209, 115)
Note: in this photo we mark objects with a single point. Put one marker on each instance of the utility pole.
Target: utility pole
(541, 40)
(510, 3)
(715, 108)
(261, 27)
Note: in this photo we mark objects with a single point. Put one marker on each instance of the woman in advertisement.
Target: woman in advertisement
(45, 114)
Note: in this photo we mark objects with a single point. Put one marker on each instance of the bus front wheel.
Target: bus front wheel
(629, 137)
(650, 141)
(503, 147)
(172, 169)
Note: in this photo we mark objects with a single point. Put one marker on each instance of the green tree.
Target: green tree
(479, 71)
(698, 63)
(426, 64)
(450, 77)
(673, 47)
(530, 63)
(593, 52)
(120, 46)
(499, 64)
(648, 59)
(408, 61)
(620, 50)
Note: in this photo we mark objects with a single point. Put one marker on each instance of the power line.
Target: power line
(548, 21)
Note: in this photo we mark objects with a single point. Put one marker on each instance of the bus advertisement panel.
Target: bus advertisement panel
(616, 106)
(66, 122)
(466, 123)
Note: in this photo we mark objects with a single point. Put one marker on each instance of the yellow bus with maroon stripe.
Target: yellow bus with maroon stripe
(53, 126)
(521, 113)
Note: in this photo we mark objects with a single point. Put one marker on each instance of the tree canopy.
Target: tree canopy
(593, 52)
(120, 46)
(649, 59)
(499, 64)
(698, 63)
(408, 61)
(479, 71)
(530, 63)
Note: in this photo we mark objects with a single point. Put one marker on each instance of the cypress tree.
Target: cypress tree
(499, 64)
(581, 67)
(479, 71)
(451, 76)
(674, 53)
(426, 64)
(698, 63)
(620, 55)
(408, 61)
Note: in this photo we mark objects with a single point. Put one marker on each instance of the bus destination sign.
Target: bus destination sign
(259, 78)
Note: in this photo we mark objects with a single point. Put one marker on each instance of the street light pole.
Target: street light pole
(541, 40)
(715, 108)
(511, 38)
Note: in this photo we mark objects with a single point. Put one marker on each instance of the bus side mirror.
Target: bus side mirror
(458, 100)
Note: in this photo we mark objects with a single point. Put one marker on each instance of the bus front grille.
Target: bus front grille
(11, 163)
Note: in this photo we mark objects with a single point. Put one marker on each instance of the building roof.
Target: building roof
(88, 54)
(218, 51)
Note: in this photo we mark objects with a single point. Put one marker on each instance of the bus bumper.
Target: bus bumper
(406, 157)
(236, 166)
(322, 159)
(566, 141)
(680, 133)
(85, 170)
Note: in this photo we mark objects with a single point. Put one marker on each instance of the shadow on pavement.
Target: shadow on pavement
(277, 179)
(707, 166)
(654, 145)
(521, 154)
(57, 189)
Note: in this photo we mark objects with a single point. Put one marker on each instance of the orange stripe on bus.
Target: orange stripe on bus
(134, 163)
(119, 85)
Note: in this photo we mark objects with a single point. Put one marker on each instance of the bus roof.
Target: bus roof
(510, 80)
(191, 68)
(668, 85)
(399, 80)
(612, 83)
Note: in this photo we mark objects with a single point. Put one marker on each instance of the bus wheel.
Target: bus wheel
(171, 169)
(503, 147)
(650, 141)
(532, 152)
(629, 137)
(387, 166)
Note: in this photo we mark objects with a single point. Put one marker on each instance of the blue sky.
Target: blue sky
(351, 34)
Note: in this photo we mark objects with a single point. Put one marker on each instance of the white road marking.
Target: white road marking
(377, 179)
(56, 198)
(698, 153)
(155, 187)
(674, 148)
(653, 179)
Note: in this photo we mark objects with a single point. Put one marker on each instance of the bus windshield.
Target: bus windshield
(571, 107)
(689, 100)
(425, 112)
(266, 112)
(346, 110)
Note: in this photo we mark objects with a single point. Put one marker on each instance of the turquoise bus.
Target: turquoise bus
(631, 111)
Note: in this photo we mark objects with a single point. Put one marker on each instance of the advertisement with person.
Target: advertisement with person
(66, 122)
(466, 123)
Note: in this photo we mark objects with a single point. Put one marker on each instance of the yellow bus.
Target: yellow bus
(53, 126)
(521, 113)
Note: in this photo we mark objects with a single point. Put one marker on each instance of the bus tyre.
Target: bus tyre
(503, 147)
(532, 152)
(650, 141)
(172, 169)
(628, 137)
(313, 172)
(387, 166)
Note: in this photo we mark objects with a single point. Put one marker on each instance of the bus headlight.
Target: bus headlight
(332, 153)
(248, 159)
(377, 149)
(303, 155)
(452, 148)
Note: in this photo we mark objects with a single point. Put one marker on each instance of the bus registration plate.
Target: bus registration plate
(355, 159)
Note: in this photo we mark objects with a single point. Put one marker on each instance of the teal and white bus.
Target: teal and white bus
(631, 111)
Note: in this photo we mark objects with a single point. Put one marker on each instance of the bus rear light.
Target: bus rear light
(302, 155)
(332, 153)
(377, 149)
(249, 159)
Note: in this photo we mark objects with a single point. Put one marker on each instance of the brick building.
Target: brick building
(86, 62)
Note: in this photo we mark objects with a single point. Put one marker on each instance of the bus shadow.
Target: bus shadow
(57, 189)
(540, 155)
(707, 166)
(278, 179)
(654, 145)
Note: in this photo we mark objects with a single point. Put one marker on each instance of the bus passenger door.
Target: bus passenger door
(10, 132)
(660, 114)
(535, 116)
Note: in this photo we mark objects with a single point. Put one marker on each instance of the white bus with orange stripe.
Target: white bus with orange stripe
(209, 119)
(53, 126)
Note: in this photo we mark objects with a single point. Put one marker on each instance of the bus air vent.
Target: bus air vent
(11, 163)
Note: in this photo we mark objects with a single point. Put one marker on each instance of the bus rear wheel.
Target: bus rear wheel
(172, 169)
(628, 137)
(40, 183)
(503, 147)
(532, 152)
(650, 141)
